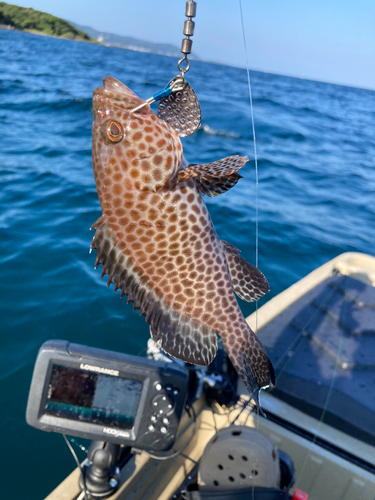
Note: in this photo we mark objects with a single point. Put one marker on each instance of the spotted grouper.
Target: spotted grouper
(157, 243)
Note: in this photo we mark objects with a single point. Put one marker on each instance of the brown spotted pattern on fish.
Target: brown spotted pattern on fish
(157, 243)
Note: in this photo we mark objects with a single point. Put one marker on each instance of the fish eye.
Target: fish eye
(113, 131)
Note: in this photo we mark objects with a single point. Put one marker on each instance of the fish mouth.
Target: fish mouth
(118, 94)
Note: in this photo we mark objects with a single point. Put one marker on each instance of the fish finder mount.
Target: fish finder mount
(100, 474)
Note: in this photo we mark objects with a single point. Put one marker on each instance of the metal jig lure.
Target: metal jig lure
(178, 103)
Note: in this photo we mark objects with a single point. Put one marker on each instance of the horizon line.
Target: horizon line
(198, 60)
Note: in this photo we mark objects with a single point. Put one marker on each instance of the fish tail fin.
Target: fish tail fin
(251, 362)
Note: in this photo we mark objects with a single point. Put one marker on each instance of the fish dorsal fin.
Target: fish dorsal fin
(248, 282)
(214, 178)
(113, 85)
(180, 335)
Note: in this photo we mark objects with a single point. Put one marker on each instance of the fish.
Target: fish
(156, 242)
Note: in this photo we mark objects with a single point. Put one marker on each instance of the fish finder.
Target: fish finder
(106, 396)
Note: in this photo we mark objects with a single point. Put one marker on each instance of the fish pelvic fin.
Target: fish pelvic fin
(248, 282)
(251, 362)
(214, 178)
(180, 336)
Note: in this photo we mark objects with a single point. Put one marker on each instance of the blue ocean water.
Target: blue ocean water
(316, 150)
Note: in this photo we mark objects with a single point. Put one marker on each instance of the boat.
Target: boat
(317, 424)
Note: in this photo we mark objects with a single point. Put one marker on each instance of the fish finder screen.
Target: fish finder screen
(93, 397)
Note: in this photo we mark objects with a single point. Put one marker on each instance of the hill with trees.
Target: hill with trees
(35, 21)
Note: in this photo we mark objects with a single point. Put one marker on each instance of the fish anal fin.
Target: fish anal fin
(217, 169)
(180, 335)
(248, 282)
(187, 340)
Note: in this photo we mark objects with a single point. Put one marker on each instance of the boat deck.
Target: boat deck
(330, 463)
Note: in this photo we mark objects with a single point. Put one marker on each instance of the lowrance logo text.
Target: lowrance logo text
(99, 369)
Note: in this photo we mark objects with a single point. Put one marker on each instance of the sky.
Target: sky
(326, 40)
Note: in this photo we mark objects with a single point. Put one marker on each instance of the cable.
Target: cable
(213, 418)
(78, 445)
(178, 452)
(328, 397)
(78, 465)
(296, 343)
(189, 458)
(244, 405)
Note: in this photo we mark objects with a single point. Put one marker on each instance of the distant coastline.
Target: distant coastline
(32, 21)
(130, 43)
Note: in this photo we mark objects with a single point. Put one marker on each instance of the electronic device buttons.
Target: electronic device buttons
(163, 404)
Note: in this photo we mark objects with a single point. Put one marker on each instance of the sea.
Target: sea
(316, 171)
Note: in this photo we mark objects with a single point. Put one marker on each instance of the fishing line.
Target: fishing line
(256, 169)
(254, 142)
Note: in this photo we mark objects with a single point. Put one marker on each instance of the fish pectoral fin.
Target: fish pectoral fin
(248, 282)
(180, 335)
(213, 186)
(215, 178)
(220, 168)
